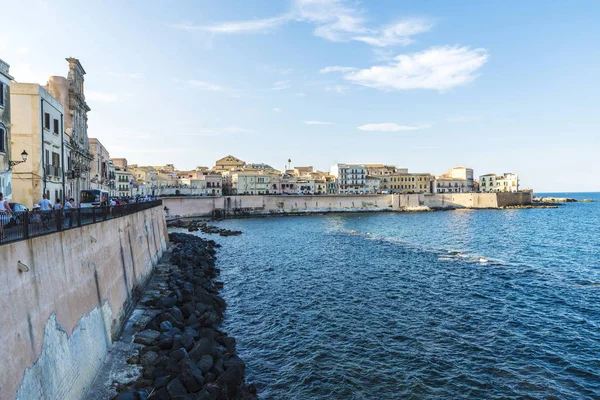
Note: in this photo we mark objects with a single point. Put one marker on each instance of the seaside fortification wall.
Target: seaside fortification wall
(273, 205)
(59, 318)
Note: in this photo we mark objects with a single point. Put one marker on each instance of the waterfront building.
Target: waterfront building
(249, 181)
(69, 92)
(123, 182)
(508, 182)
(372, 184)
(456, 180)
(382, 169)
(99, 167)
(405, 182)
(5, 132)
(228, 163)
(351, 178)
(37, 127)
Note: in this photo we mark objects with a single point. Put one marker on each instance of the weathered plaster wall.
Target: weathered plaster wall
(59, 318)
(257, 205)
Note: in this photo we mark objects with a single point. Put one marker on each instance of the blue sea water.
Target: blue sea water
(471, 304)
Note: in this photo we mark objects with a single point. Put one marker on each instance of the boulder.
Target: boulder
(191, 376)
(205, 363)
(147, 337)
(176, 388)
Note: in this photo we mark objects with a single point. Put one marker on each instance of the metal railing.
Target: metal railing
(28, 224)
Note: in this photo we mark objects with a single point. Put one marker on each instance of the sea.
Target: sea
(464, 304)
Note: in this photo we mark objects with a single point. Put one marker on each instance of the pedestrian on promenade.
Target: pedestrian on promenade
(5, 213)
(36, 218)
(69, 212)
(58, 213)
(46, 209)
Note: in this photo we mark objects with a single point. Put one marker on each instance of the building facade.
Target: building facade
(123, 182)
(508, 182)
(5, 134)
(351, 178)
(37, 120)
(456, 180)
(69, 92)
(228, 163)
(100, 166)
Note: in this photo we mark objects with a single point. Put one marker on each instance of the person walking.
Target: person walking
(69, 206)
(5, 213)
(58, 213)
(46, 209)
(36, 219)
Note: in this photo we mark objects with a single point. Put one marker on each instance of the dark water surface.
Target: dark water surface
(457, 304)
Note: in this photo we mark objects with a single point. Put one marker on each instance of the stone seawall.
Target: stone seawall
(61, 316)
(231, 206)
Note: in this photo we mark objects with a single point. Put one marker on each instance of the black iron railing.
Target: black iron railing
(28, 224)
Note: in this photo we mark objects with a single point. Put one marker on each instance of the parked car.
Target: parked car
(17, 218)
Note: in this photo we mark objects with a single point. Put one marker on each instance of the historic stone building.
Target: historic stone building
(5, 153)
(70, 92)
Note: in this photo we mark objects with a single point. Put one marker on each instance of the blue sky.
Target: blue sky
(501, 86)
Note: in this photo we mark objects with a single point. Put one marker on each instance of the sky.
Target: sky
(499, 86)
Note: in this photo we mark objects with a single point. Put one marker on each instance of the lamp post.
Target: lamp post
(23, 156)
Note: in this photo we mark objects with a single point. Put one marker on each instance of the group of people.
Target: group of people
(41, 214)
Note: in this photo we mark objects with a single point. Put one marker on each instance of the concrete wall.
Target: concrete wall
(258, 205)
(60, 317)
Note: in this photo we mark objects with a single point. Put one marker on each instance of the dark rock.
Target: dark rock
(161, 381)
(205, 363)
(203, 347)
(165, 342)
(187, 341)
(147, 337)
(232, 378)
(133, 360)
(131, 395)
(176, 388)
(148, 358)
(229, 344)
(166, 326)
(191, 376)
(219, 367)
(209, 377)
(179, 354)
(169, 302)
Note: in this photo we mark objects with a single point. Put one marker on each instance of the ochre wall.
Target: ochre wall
(257, 205)
(76, 290)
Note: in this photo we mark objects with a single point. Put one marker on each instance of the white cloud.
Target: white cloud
(339, 89)
(390, 127)
(256, 25)
(300, 94)
(277, 109)
(101, 96)
(281, 85)
(438, 68)
(336, 68)
(335, 20)
(397, 34)
(317, 123)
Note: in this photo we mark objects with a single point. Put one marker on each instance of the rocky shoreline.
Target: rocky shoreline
(195, 225)
(542, 200)
(184, 356)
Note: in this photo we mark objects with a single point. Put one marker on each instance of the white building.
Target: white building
(372, 184)
(352, 178)
(490, 183)
(456, 180)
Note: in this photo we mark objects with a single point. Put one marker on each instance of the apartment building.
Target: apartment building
(351, 178)
(37, 126)
(508, 182)
(5, 132)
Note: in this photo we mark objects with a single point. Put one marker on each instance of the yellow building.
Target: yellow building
(37, 126)
(228, 163)
(407, 183)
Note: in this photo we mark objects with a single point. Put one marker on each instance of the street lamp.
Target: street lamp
(23, 156)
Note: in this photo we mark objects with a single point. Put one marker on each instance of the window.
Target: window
(2, 139)
(55, 126)
(47, 121)
(1, 94)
